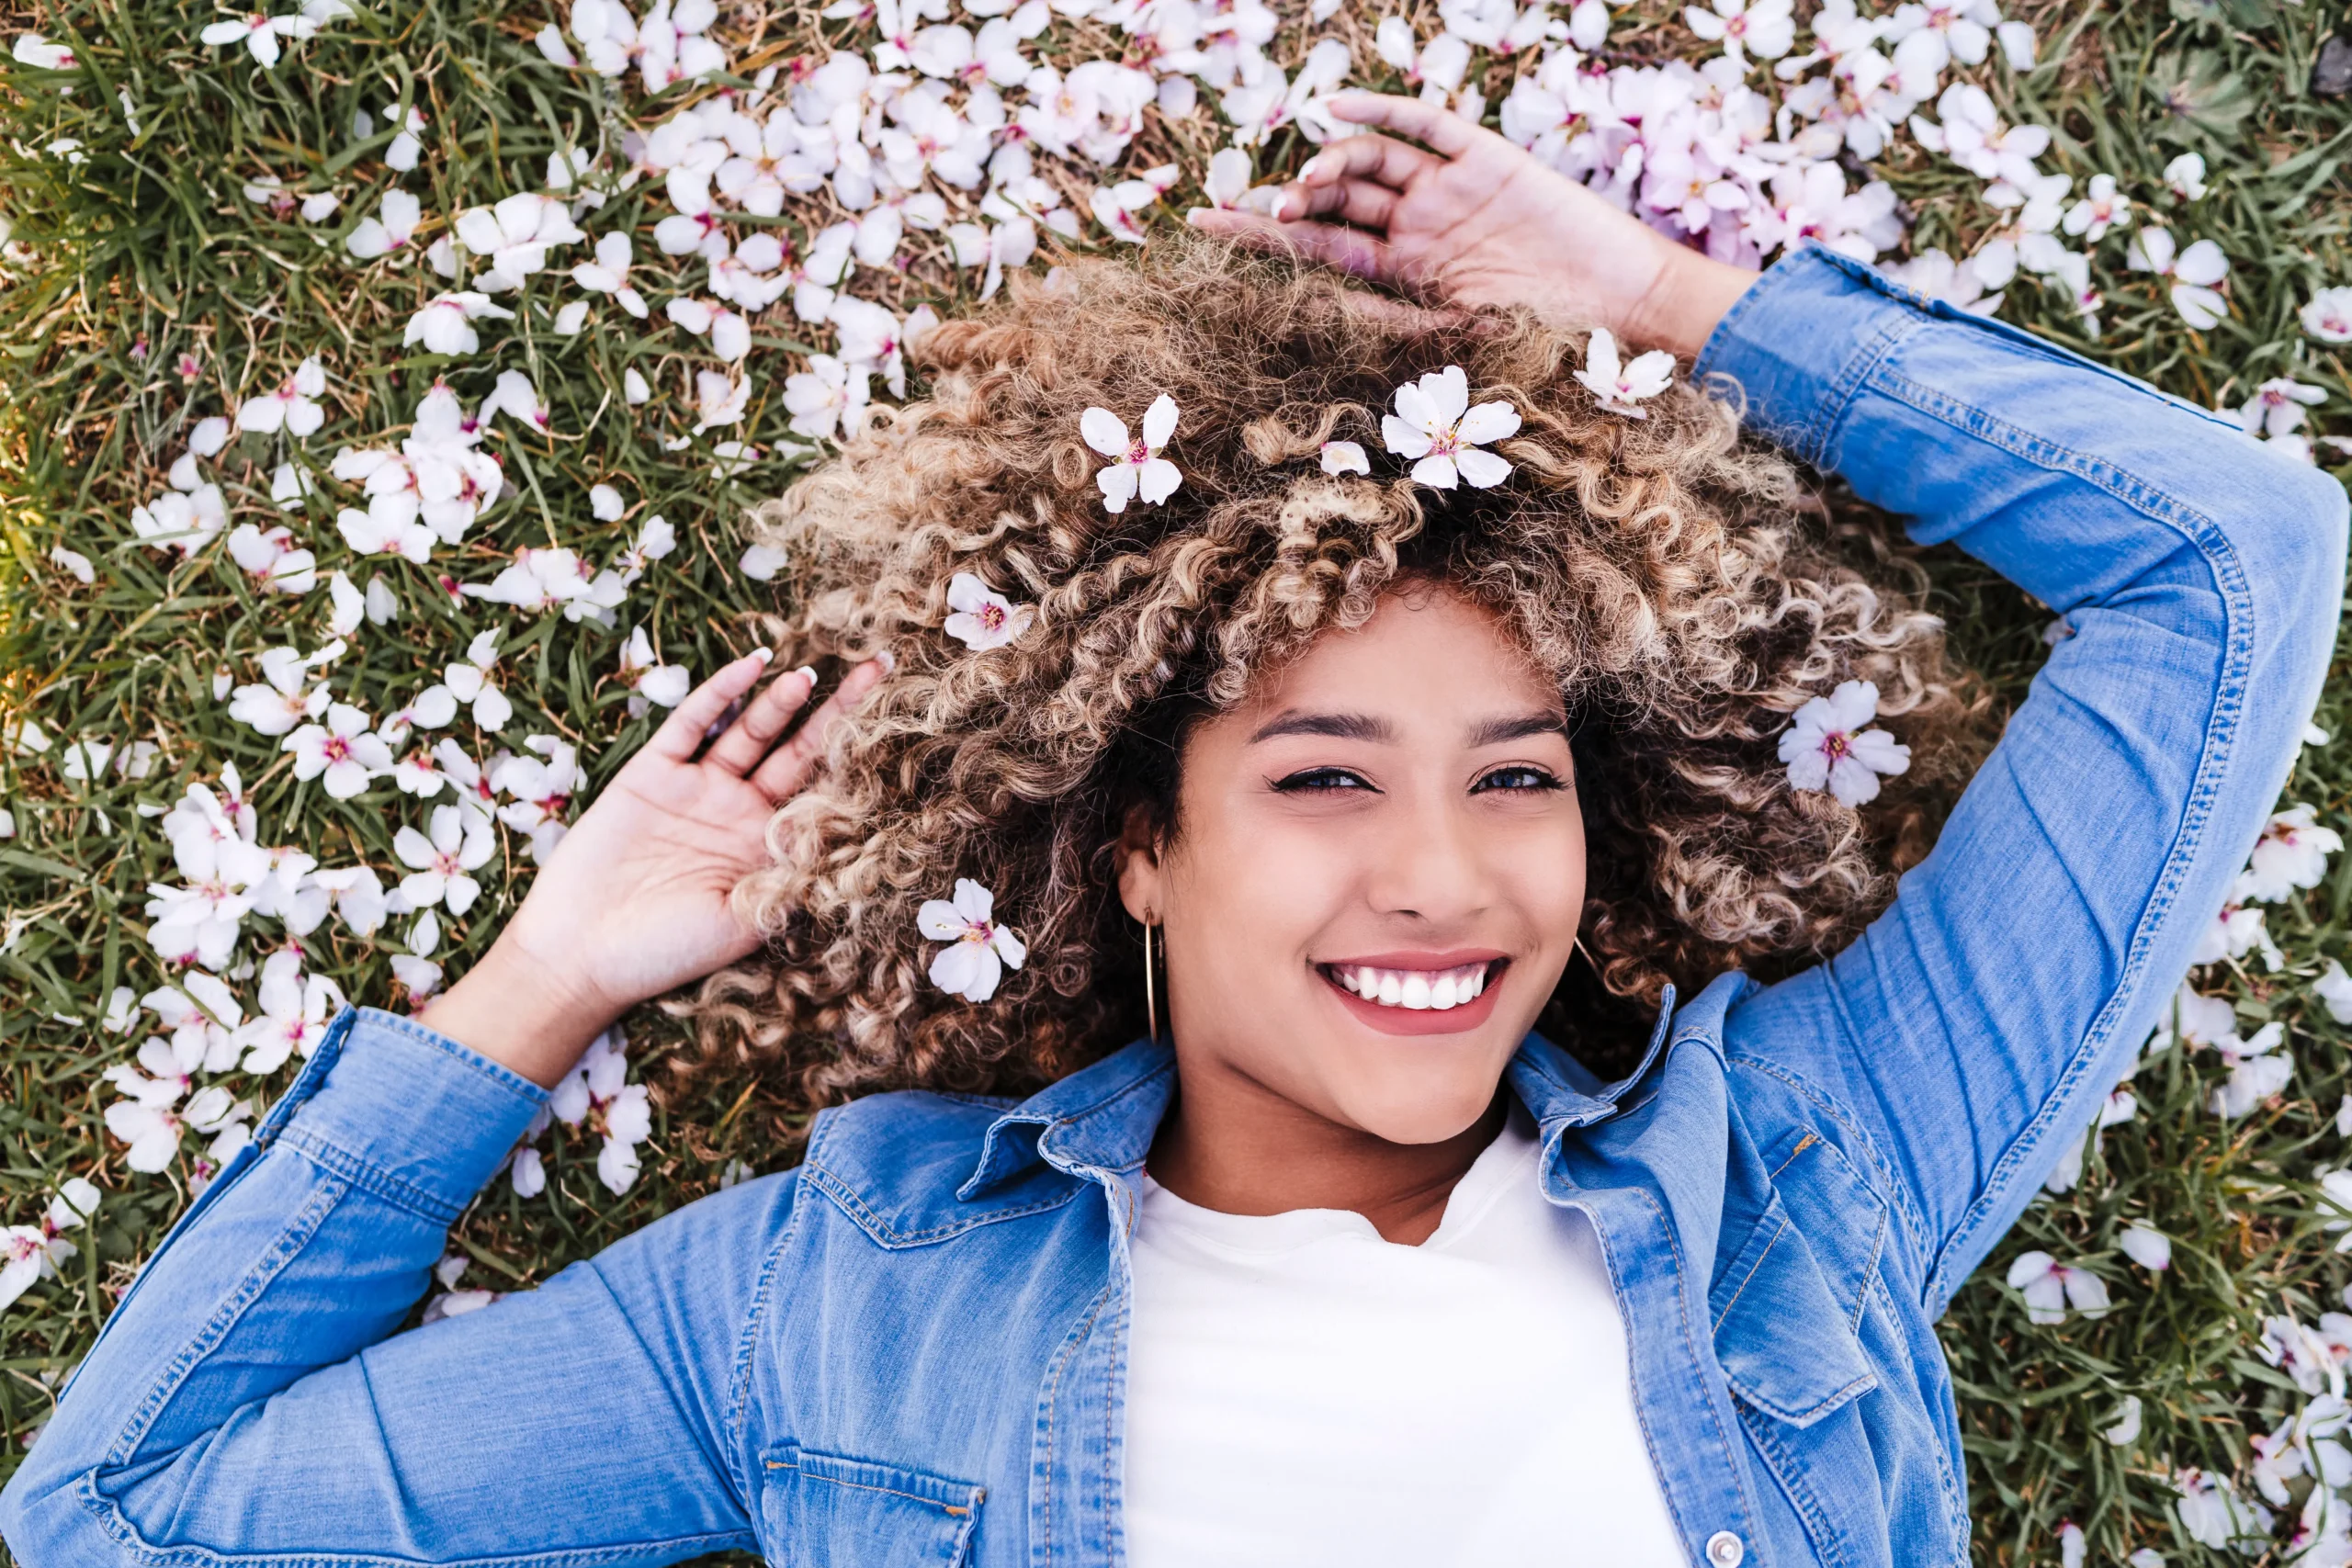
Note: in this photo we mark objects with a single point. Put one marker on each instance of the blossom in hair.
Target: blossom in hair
(1620, 387)
(1137, 469)
(978, 948)
(983, 618)
(1345, 457)
(1435, 426)
(1826, 746)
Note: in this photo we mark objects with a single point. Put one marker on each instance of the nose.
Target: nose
(1429, 864)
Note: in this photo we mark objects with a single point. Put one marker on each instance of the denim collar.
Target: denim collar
(1101, 1119)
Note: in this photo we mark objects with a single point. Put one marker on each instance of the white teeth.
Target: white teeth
(1421, 991)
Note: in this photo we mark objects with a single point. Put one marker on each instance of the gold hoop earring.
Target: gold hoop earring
(1150, 990)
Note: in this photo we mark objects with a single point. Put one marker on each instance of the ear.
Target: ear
(1142, 877)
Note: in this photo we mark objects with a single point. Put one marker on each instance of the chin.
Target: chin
(1420, 1095)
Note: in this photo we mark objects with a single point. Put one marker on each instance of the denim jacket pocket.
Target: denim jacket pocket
(1785, 1344)
(820, 1510)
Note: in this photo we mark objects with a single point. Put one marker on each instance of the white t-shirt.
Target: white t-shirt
(1302, 1393)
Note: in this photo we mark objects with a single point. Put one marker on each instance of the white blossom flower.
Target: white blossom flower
(983, 618)
(2311, 1355)
(648, 679)
(259, 34)
(155, 1131)
(597, 1095)
(540, 788)
(271, 558)
(2255, 1074)
(978, 949)
(2277, 407)
(73, 562)
(2328, 315)
(1345, 457)
(2147, 1247)
(1766, 28)
(37, 52)
(374, 533)
(343, 752)
(2214, 1514)
(468, 679)
(2101, 209)
(2334, 988)
(516, 397)
(390, 229)
(1620, 388)
(292, 406)
(1136, 468)
(440, 866)
(720, 399)
(1827, 747)
(282, 697)
(608, 274)
(761, 562)
(2335, 1192)
(445, 323)
(2072, 1547)
(2123, 1426)
(2049, 1286)
(514, 236)
(828, 398)
(2292, 854)
(295, 1009)
(2186, 176)
(208, 435)
(2193, 272)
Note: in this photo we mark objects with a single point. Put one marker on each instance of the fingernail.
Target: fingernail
(1284, 207)
(1195, 214)
(810, 671)
(764, 654)
(1318, 166)
(887, 660)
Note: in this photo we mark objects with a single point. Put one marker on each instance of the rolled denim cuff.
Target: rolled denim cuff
(1803, 338)
(405, 1112)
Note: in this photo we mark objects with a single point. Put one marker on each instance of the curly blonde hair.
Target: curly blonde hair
(1660, 567)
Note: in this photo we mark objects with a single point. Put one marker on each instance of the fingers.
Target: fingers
(1441, 129)
(1357, 202)
(743, 742)
(1382, 159)
(681, 734)
(1351, 250)
(786, 768)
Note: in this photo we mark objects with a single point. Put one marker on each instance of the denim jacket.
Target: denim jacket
(911, 1349)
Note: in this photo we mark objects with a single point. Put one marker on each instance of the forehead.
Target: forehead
(1426, 649)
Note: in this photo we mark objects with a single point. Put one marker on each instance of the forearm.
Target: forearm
(521, 1011)
(1971, 1028)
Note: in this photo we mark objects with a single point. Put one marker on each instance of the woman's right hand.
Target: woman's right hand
(1475, 221)
(634, 902)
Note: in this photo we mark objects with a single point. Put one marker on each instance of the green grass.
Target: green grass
(145, 250)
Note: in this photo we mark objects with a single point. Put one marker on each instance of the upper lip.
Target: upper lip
(1453, 958)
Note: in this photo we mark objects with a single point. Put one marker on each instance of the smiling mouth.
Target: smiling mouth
(1415, 990)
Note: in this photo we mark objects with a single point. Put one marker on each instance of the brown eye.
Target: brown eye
(1519, 777)
(1320, 780)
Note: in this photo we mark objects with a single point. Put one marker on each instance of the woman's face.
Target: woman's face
(1376, 875)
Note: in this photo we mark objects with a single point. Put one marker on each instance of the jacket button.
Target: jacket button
(1725, 1551)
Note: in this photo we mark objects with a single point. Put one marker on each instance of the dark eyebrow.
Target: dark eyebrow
(1496, 731)
(1338, 725)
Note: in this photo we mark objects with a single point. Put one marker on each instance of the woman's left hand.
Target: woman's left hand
(635, 901)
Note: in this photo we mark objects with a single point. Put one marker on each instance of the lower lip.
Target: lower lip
(1456, 1019)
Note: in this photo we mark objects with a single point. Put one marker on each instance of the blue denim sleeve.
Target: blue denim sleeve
(1972, 1029)
(245, 1405)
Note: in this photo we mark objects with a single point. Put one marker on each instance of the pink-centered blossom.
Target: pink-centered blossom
(1827, 747)
(1136, 470)
(1437, 429)
(978, 950)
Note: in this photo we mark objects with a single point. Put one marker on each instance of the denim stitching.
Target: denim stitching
(473, 1061)
(1955, 1496)
(2213, 546)
(1896, 1195)
(1870, 1274)
(1690, 1346)
(747, 1344)
(292, 1240)
(1042, 1510)
(373, 1181)
(1716, 1327)
(1783, 1464)
(846, 1197)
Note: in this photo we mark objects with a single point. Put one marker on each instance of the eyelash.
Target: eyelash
(1332, 780)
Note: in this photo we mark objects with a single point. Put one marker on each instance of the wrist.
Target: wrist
(1685, 302)
(522, 1013)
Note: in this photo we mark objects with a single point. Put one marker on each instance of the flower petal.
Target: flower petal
(1158, 423)
(1404, 439)
(1158, 481)
(1437, 472)
(1489, 423)
(940, 921)
(1117, 484)
(1103, 431)
(1483, 471)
